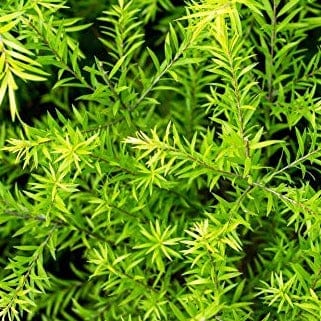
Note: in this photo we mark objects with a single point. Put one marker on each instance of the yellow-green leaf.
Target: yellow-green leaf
(9, 17)
(265, 144)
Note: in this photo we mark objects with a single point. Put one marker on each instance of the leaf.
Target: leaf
(301, 141)
(178, 314)
(10, 16)
(285, 49)
(247, 166)
(188, 61)
(12, 99)
(26, 76)
(7, 27)
(173, 37)
(265, 144)
(287, 7)
(168, 49)
(78, 27)
(17, 46)
(117, 66)
(154, 59)
(3, 87)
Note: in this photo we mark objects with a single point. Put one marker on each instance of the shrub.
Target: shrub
(142, 183)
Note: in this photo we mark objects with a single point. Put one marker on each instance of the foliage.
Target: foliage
(160, 179)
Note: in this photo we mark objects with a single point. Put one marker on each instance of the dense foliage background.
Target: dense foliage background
(160, 160)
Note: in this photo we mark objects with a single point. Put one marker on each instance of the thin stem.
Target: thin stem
(294, 163)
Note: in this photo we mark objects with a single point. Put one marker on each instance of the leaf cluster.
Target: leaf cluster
(175, 181)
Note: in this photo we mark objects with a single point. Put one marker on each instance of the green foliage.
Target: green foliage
(172, 177)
